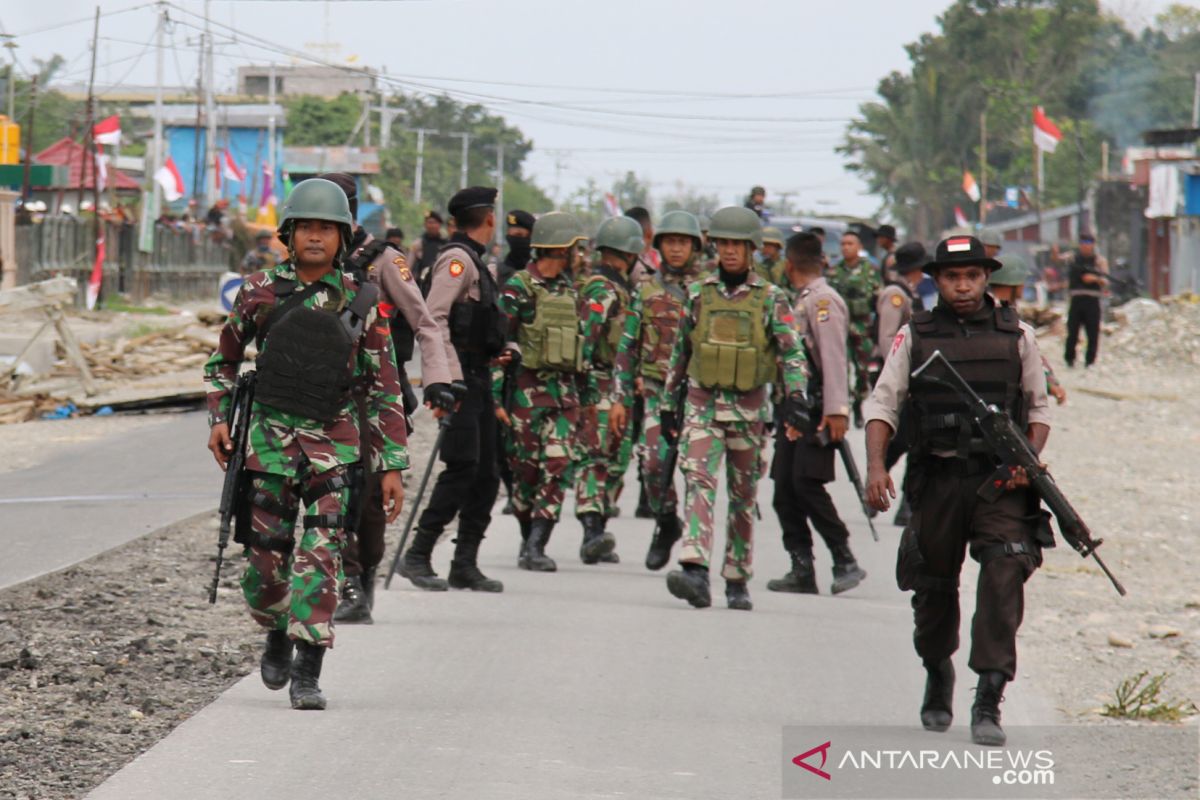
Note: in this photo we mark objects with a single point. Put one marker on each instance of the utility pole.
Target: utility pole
(156, 164)
(210, 139)
(33, 90)
(466, 138)
(983, 167)
(271, 129)
(500, 191)
(1195, 102)
(89, 147)
(12, 75)
(197, 163)
(420, 165)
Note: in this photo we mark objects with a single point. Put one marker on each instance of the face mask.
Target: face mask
(519, 249)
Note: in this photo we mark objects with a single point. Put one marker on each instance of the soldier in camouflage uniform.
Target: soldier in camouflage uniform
(542, 411)
(646, 344)
(771, 266)
(735, 331)
(317, 334)
(603, 306)
(857, 280)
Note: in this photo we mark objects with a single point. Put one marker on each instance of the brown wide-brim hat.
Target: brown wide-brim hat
(961, 251)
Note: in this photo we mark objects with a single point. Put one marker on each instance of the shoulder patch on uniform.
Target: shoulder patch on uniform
(897, 300)
(898, 341)
(822, 314)
(823, 302)
(457, 268)
(405, 272)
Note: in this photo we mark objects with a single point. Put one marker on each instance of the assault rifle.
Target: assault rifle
(667, 477)
(1010, 447)
(240, 400)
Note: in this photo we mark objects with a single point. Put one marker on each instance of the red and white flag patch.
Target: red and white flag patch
(960, 245)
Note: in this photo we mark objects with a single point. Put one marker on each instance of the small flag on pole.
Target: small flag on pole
(170, 180)
(610, 205)
(230, 169)
(97, 277)
(107, 131)
(970, 186)
(960, 219)
(1046, 134)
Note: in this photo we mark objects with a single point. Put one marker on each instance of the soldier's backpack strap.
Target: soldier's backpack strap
(355, 316)
(358, 265)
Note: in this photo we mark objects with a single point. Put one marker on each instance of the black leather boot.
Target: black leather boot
(846, 572)
(275, 667)
(597, 542)
(802, 579)
(536, 559)
(643, 507)
(665, 536)
(416, 564)
(691, 584)
(522, 559)
(985, 713)
(464, 568)
(368, 586)
(737, 596)
(306, 671)
(937, 707)
(353, 608)
(903, 513)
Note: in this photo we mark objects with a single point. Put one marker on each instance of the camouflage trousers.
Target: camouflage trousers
(702, 445)
(540, 452)
(621, 461)
(859, 348)
(599, 448)
(652, 455)
(294, 586)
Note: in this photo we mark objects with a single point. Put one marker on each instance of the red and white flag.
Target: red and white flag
(230, 169)
(610, 205)
(107, 131)
(970, 186)
(1046, 134)
(93, 287)
(101, 169)
(960, 219)
(170, 180)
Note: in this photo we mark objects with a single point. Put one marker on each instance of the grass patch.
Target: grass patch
(1139, 698)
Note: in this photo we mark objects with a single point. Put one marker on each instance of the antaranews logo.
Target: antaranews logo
(820, 772)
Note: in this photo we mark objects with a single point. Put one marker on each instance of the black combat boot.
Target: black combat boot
(597, 542)
(737, 596)
(801, 580)
(464, 568)
(691, 584)
(937, 707)
(846, 572)
(306, 670)
(416, 566)
(665, 536)
(508, 507)
(276, 664)
(643, 507)
(536, 559)
(985, 713)
(353, 609)
(368, 586)
(903, 513)
(859, 420)
(610, 558)
(522, 558)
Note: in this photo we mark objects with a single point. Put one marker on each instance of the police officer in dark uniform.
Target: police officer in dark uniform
(998, 356)
(1086, 280)
(425, 250)
(463, 297)
(520, 228)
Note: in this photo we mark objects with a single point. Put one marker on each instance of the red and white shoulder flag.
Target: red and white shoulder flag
(107, 131)
(970, 186)
(610, 205)
(960, 219)
(170, 180)
(230, 168)
(1046, 134)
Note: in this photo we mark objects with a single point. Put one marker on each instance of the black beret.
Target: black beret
(886, 230)
(434, 215)
(519, 218)
(472, 197)
(396, 232)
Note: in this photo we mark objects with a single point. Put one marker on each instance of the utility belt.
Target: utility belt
(959, 467)
(351, 477)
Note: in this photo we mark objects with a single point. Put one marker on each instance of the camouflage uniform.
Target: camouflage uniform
(727, 422)
(603, 307)
(774, 271)
(544, 407)
(858, 285)
(293, 458)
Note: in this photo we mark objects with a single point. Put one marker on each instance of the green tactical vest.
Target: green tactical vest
(552, 340)
(662, 306)
(731, 348)
(606, 349)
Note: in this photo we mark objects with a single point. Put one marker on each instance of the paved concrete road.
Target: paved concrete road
(591, 682)
(93, 497)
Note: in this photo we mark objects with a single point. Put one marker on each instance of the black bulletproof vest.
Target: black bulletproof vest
(1080, 267)
(430, 247)
(984, 349)
(477, 328)
(305, 365)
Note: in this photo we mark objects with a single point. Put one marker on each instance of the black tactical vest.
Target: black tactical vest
(984, 348)
(305, 363)
(477, 327)
(1080, 267)
(429, 253)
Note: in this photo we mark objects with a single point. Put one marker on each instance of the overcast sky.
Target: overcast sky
(713, 94)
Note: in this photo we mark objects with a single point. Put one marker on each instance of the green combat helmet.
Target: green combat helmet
(680, 223)
(736, 223)
(317, 198)
(622, 234)
(1012, 272)
(772, 235)
(556, 229)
